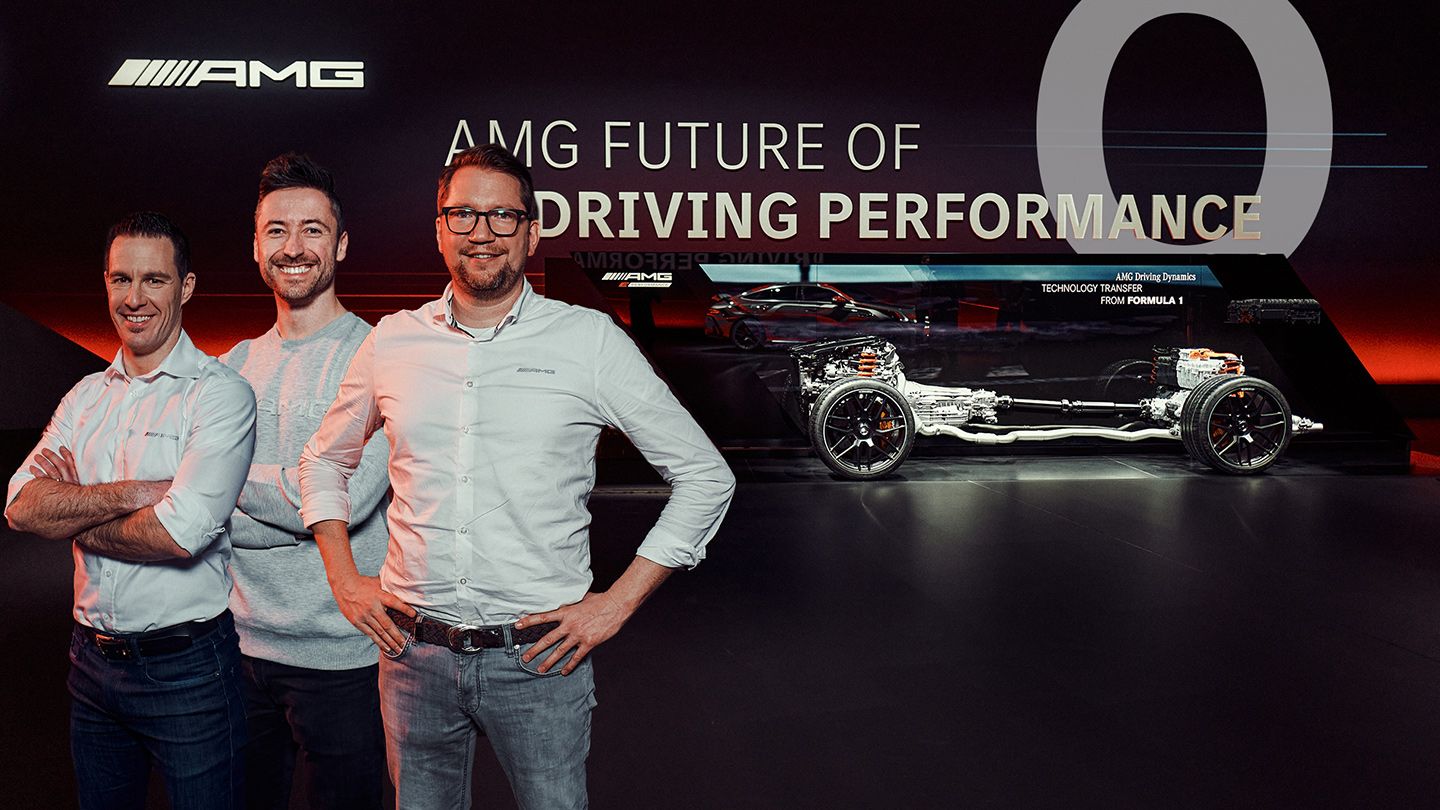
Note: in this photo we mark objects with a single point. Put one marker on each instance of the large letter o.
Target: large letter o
(1071, 109)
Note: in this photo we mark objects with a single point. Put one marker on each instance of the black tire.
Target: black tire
(747, 334)
(1125, 381)
(862, 428)
(1235, 424)
(1187, 410)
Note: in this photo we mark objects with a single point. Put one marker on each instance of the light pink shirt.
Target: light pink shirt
(492, 454)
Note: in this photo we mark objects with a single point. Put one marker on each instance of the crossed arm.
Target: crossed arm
(114, 519)
(142, 520)
(268, 514)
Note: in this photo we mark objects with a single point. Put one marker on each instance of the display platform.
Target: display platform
(626, 472)
(1079, 467)
(1185, 641)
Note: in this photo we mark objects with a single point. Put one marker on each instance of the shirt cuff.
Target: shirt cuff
(662, 548)
(325, 506)
(191, 534)
(18, 481)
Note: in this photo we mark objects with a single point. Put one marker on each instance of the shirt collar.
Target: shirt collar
(182, 361)
(446, 313)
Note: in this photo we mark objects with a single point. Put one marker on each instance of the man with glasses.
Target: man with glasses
(310, 677)
(139, 468)
(493, 398)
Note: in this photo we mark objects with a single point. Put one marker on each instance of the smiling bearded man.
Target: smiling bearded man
(310, 677)
(493, 398)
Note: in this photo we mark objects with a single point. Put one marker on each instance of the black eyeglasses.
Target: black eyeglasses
(461, 220)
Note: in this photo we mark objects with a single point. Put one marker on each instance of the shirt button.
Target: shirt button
(464, 529)
(108, 572)
(464, 479)
(465, 430)
(469, 383)
(464, 581)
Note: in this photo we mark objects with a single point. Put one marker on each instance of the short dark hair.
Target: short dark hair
(294, 170)
(496, 158)
(154, 226)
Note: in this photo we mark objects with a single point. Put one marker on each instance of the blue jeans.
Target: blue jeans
(435, 701)
(181, 712)
(327, 719)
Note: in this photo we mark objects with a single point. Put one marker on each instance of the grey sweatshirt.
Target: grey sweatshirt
(282, 602)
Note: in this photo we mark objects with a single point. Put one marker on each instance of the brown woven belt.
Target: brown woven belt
(467, 638)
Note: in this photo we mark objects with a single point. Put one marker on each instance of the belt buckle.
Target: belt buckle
(460, 637)
(112, 647)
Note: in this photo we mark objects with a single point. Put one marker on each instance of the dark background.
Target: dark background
(81, 153)
(1093, 643)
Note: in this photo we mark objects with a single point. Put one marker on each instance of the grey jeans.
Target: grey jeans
(434, 702)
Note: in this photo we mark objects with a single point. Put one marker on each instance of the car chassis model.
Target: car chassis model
(863, 414)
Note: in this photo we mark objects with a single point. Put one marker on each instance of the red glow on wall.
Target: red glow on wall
(1394, 353)
(1397, 359)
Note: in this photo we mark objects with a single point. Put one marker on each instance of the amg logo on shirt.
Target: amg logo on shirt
(153, 435)
(524, 370)
(279, 407)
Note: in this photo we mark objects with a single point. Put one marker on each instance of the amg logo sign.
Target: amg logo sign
(660, 280)
(318, 74)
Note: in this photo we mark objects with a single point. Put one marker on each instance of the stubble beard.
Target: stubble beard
(322, 279)
(497, 288)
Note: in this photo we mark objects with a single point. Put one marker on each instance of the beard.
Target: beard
(492, 286)
(300, 290)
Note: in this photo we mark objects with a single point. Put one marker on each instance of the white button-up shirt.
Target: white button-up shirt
(190, 421)
(492, 454)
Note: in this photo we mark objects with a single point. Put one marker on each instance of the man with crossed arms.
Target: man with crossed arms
(492, 399)
(140, 467)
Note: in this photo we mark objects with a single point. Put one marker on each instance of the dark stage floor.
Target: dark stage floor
(990, 632)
